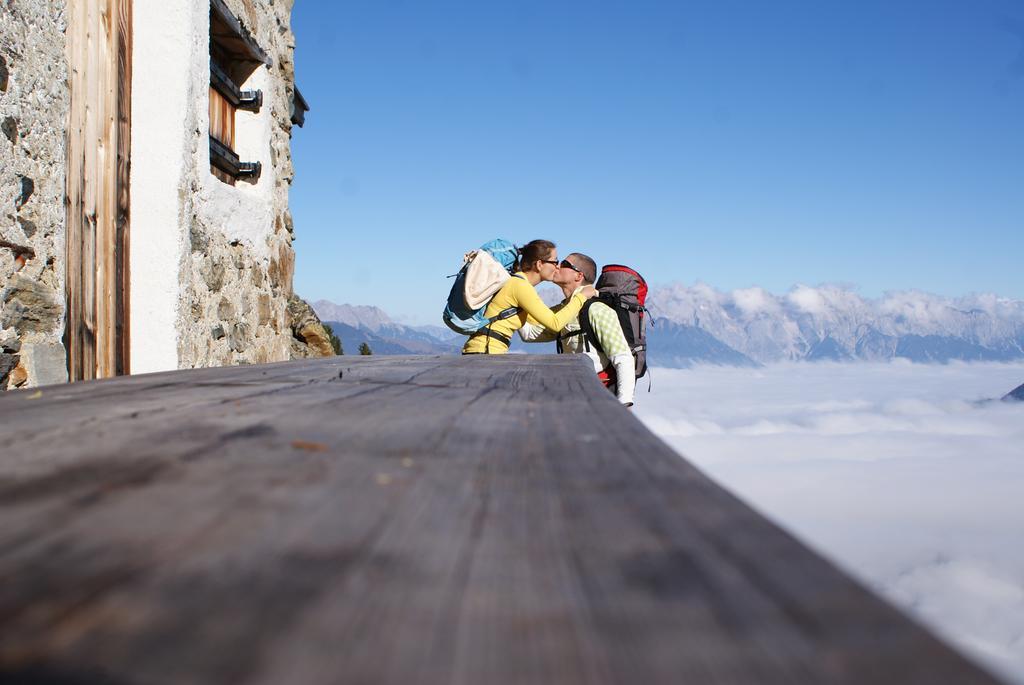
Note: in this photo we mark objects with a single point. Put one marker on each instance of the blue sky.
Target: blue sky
(738, 143)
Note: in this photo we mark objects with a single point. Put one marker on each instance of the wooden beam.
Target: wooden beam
(122, 241)
(229, 32)
(104, 176)
(75, 280)
(404, 520)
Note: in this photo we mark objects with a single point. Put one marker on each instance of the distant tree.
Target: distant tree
(335, 340)
(364, 348)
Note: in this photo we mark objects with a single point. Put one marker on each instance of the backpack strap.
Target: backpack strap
(587, 328)
(560, 348)
(488, 333)
(500, 316)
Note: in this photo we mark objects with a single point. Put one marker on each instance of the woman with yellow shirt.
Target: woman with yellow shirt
(517, 299)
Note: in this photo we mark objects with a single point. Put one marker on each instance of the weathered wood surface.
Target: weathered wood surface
(403, 520)
(98, 49)
(122, 235)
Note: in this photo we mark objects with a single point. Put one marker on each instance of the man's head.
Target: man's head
(575, 270)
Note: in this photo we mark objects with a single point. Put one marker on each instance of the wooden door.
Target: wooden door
(99, 51)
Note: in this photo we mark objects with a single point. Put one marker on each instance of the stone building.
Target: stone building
(145, 166)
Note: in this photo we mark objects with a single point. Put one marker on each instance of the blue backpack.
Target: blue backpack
(468, 317)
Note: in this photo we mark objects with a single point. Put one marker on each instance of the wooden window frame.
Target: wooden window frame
(234, 55)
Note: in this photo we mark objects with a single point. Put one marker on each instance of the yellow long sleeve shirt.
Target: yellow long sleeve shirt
(517, 292)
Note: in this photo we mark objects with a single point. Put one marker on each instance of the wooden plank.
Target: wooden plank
(222, 128)
(122, 239)
(222, 118)
(424, 519)
(81, 235)
(73, 193)
(106, 191)
(92, 87)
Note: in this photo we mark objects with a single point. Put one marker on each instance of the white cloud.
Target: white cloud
(925, 308)
(894, 470)
(755, 301)
(807, 299)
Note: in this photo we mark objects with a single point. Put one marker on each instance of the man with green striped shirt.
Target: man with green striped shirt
(612, 358)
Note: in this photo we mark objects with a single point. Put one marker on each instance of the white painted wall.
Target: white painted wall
(162, 95)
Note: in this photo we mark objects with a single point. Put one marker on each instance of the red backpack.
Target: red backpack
(625, 291)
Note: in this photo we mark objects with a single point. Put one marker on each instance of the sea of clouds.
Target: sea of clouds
(902, 473)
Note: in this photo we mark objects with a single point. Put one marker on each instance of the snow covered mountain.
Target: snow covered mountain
(1015, 395)
(355, 315)
(835, 323)
(355, 324)
(680, 346)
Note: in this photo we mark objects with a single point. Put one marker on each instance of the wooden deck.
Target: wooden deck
(478, 520)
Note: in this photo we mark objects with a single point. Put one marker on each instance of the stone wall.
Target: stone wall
(34, 102)
(237, 273)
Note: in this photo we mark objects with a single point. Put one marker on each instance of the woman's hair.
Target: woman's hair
(532, 252)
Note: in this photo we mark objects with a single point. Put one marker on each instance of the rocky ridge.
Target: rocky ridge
(1016, 395)
(836, 323)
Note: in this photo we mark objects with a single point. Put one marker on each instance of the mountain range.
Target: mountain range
(356, 324)
(836, 323)
(748, 327)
